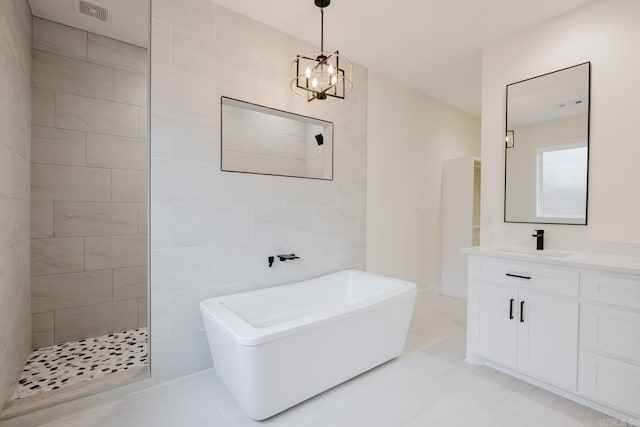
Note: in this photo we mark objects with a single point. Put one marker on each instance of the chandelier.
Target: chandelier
(322, 74)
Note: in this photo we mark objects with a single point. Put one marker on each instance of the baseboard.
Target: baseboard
(430, 292)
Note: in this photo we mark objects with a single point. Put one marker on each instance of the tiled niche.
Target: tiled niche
(88, 183)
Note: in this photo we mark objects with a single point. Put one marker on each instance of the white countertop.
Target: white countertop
(583, 260)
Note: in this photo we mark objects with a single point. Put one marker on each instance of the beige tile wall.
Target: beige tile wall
(15, 154)
(88, 183)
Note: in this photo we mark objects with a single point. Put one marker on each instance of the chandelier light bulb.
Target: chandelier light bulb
(314, 82)
(330, 69)
(308, 72)
(334, 80)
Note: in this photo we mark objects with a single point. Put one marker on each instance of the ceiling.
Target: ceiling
(434, 46)
(128, 19)
(431, 45)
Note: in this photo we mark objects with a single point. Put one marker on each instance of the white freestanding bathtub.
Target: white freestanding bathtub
(276, 347)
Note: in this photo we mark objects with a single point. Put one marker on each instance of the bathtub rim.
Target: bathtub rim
(245, 334)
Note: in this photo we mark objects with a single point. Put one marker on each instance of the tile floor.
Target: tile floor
(58, 366)
(428, 385)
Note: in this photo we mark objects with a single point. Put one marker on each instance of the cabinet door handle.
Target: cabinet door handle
(521, 311)
(511, 309)
(518, 276)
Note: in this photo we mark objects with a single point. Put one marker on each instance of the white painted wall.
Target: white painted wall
(409, 134)
(212, 231)
(607, 34)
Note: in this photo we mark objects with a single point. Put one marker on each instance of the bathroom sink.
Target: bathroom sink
(534, 252)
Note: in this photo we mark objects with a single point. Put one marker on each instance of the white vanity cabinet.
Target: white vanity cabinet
(570, 328)
(525, 318)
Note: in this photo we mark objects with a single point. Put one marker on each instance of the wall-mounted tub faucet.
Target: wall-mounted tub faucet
(281, 257)
(284, 257)
(539, 239)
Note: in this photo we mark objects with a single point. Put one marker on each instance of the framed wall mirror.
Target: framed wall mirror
(262, 140)
(547, 148)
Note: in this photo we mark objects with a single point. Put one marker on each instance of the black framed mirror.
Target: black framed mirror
(547, 148)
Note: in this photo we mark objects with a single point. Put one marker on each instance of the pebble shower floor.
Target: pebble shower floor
(61, 365)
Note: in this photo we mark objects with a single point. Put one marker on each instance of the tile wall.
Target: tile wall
(88, 184)
(15, 153)
(212, 231)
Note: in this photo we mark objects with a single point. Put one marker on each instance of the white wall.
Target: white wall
(15, 157)
(409, 134)
(607, 34)
(212, 231)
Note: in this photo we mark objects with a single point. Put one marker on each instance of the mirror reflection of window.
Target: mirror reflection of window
(562, 182)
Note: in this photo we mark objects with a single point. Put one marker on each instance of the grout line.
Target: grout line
(55, 115)
(112, 285)
(170, 46)
(86, 149)
(91, 167)
(54, 327)
(110, 101)
(53, 221)
(94, 304)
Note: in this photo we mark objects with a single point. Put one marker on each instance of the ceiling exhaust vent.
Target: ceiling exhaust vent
(569, 103)
(93, 10)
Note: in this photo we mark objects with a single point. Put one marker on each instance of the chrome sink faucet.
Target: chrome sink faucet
(539, 239)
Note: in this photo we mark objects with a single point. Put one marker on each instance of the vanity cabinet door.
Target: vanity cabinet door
(496, 325)
(548, 338)
(610, 381)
